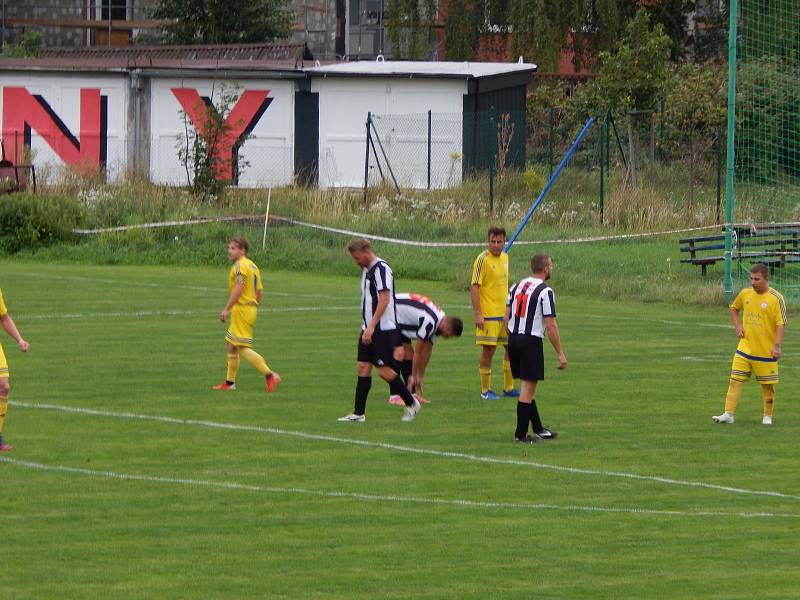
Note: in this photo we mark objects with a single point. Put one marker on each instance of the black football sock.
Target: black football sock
(362, 391)
(405, 370)
(523, 416)
(396, 387)
(535, 420)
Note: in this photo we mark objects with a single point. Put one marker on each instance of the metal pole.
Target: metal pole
(490, 152)
(730, 164)
(429, 148)
(366, 159)
(718, 148)
(549, 184)
(603, 133)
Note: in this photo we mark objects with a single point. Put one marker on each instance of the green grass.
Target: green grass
(109, 505)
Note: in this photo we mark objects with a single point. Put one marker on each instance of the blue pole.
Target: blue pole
(547, 187)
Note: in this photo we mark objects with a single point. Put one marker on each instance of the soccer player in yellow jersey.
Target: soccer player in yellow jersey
(759, 317)
(488, 292)
(11, 329)
(245, 288)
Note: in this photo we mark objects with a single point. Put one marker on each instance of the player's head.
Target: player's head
(759, 277)
(496, 240)
(542, 265)
(451, 327)
(361, 251)
(237, 247)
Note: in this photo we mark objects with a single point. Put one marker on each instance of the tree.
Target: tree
(222, 22)
(695, 110)
(462, 29)
(409, 25)
(29, 46)
(633, 78)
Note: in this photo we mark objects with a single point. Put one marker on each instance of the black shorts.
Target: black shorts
(527, 357)
(381, 351)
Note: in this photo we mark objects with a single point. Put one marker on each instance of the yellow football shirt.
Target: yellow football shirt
(3, 309)
(245, 271)
(761, 315)
(490, 273)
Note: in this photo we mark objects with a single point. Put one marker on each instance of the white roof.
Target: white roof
(408, 68)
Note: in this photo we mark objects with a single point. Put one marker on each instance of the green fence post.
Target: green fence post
(718, 146)
(733, 23)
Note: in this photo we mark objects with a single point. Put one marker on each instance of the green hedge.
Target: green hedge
(29, 220)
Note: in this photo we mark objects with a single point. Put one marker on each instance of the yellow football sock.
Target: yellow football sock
(233, 367)
(486, 379)
(768, 393)
(255, 359)
(3, 410)
(734, 393)
(508, 378)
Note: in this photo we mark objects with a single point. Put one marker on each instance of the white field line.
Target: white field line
(407, 449)
(404, 500)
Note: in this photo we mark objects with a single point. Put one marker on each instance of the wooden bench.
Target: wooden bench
(774, 244)
(704, 251)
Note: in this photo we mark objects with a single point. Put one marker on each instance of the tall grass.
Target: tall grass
(643, 269)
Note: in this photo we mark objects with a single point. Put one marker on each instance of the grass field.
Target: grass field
(131, 479)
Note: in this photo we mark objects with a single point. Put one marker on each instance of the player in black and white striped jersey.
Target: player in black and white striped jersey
(420, 319)
(531, 311)
(379, 334)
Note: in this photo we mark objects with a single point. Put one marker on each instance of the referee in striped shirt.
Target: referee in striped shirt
(379, 333)
(531, 311)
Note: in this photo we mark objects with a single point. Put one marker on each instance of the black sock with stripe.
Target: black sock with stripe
(362, 391)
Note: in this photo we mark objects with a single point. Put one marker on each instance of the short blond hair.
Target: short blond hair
(359, 245)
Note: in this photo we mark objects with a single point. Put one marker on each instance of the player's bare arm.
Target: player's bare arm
(555, 339)
(737, 323)
(383, 302)
(776, 349)
(236, 292)
(474, 295)
(11, 329)
(422, 356)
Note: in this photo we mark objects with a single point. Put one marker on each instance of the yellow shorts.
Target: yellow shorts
(766, 371)
(3, 363)
(240, 328)
(492, 334)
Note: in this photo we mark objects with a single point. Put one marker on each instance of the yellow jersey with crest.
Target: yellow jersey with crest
(3, 309)
(761, 315)
(3, 363)
(246, 272)
(490, 273)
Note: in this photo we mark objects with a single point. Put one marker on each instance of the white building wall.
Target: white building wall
(267, 155)
(344, 103)
(62, 93)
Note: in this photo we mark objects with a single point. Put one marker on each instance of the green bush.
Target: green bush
(29, 220)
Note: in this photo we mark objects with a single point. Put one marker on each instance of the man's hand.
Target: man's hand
(740, 331)
(480, 322)
(366, 335)
(776, 351)
(223, 315)
(23, 345)
(562, 360)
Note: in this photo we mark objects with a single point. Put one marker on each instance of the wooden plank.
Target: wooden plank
(88, 23)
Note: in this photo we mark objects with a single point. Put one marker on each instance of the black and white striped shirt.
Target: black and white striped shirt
(418, 317)
(531, 300)
(375, 278)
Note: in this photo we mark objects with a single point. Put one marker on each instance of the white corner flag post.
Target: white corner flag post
(266, 220)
